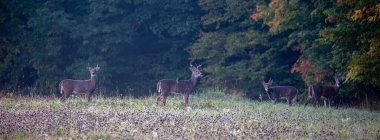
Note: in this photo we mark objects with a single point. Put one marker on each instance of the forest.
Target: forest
(239, 43)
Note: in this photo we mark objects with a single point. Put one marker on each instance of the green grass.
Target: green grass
(210, 115)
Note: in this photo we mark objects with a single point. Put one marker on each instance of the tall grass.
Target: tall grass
(210, 115)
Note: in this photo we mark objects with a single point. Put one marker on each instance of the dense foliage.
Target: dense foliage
(239, 42)
(134, 42)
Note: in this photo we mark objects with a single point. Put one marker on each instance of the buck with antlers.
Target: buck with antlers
(86, 87)
(279, 92)
(326, 92)
(184, 87)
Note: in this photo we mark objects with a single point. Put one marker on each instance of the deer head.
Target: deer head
(93, 70)
(338, 79)
(267, 85)
(195, 72)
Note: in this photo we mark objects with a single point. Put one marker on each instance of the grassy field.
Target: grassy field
(214, 116)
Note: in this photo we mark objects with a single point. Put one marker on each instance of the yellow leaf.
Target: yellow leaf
(358, 14)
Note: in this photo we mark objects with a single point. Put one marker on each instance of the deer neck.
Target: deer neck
(93, 79)
(194, 80)
(269, 93)
(336, 86)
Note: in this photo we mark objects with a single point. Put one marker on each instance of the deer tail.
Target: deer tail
(159, 86)
(60, 88)
(312, 92)
(294, 100)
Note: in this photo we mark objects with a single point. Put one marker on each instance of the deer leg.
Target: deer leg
(158, 99)
(164, 99)
(63, 98)
(88, 96)
(335, 104)
(186, 99)
(289, 102)
(274, 101)
(306, 102)
(329, 100)
(315, 102)
(65, 95)
(294, 100)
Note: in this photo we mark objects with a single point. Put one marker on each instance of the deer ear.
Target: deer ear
(192, 67)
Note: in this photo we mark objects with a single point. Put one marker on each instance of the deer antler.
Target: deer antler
(198, 66)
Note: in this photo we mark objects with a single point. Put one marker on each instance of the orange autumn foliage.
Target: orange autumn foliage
(304, 67)
(368, 14)
(256, 16)
(273, 3)
(259, 12)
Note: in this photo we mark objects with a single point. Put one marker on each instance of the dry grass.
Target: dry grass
(206, 118)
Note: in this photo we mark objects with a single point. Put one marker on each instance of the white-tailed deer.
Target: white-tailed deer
(279, 92)
(328, 92)
(184, 87)
(68, 86)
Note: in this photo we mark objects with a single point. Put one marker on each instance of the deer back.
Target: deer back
(79, 86)
(329, 91)
(326, 91)
(282, 91)
(166, 85)
(184, 86)
(169, 85)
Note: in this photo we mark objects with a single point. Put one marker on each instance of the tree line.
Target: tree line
(240, 43)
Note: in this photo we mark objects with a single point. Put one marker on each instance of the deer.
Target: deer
(280, 92)
(326, 92)
(184, 87)
(87, 87)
